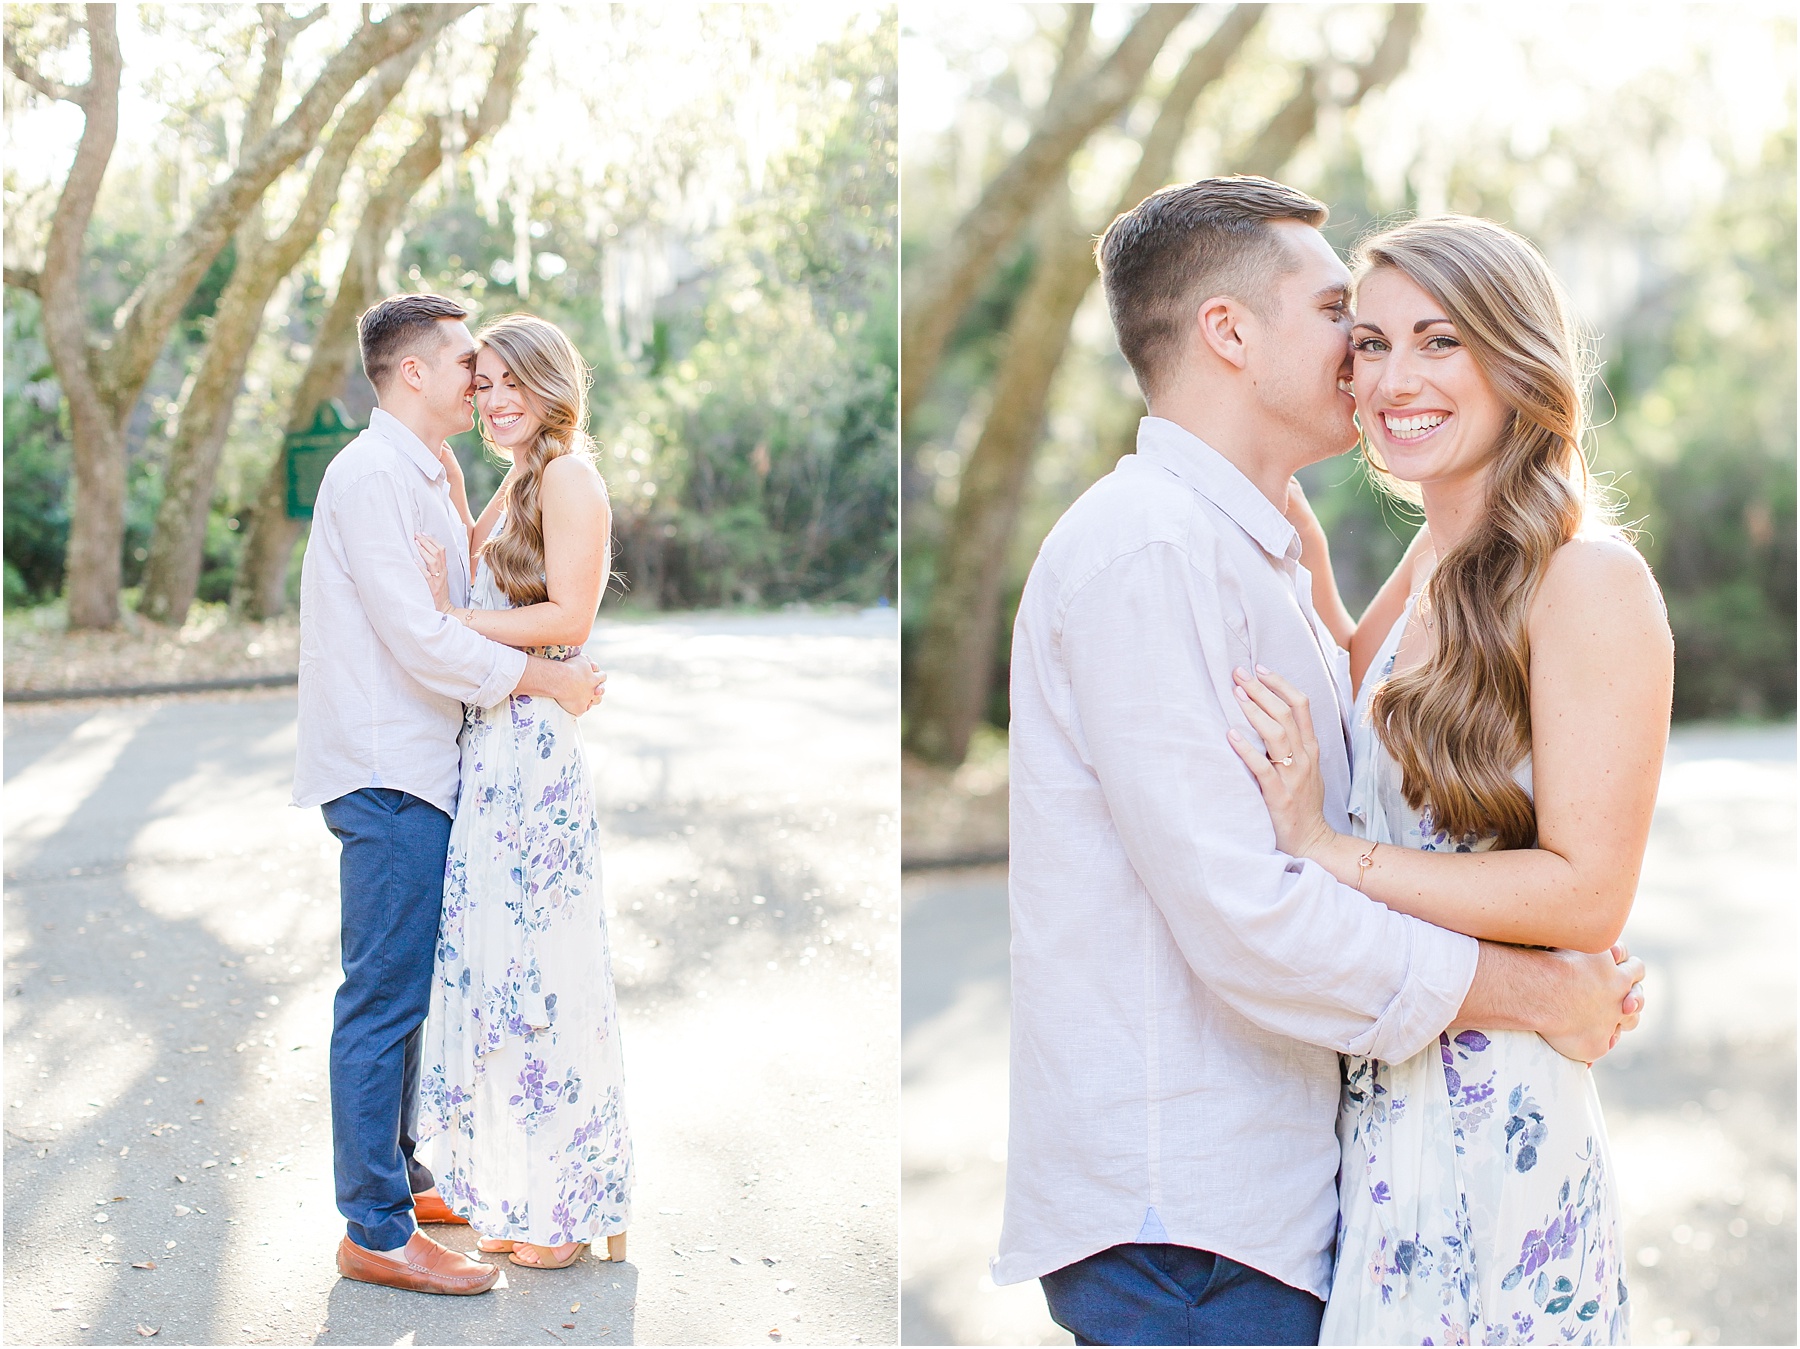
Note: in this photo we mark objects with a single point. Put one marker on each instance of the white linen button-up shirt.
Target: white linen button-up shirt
(384, 675)
(1180, 989)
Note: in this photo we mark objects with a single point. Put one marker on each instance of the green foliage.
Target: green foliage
(37, 465)
(748, 444)
(755, 462)
(1708, 447)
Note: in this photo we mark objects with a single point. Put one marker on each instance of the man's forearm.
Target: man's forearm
(1513, 989)
(1579, 1003)
(545, 679)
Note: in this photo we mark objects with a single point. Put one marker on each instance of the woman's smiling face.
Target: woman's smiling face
(504, 407)
(1424, 403)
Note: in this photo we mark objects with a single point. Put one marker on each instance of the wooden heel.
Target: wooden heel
(615, 1246)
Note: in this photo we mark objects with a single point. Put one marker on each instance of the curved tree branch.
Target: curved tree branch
(260, 588)
(172, 570)
(953, 672)
(19, 278)
(41, 82)
(147, 317)
(942, 287)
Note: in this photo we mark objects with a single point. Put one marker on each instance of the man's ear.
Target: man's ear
(1219, 324)
(411, 372)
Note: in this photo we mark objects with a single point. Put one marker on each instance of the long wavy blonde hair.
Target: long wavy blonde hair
(1459, 723)
(554, 380)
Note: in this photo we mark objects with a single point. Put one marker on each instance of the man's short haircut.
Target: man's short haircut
(400, 326)
(1186, 244)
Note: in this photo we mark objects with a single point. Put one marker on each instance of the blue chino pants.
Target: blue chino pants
(391, 887)
(1161, 1294)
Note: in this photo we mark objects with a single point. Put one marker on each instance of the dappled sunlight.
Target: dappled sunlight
(760, 1054)
(43, 798)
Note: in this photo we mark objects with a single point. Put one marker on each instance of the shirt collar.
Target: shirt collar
(1216, 478)
(391, 429)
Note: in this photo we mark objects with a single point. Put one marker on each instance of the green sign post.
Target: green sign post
(308, 453)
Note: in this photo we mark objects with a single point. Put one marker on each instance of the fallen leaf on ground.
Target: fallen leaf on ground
(143, 1264)
(147, 1331)
(182, 1210)
(574, 1309)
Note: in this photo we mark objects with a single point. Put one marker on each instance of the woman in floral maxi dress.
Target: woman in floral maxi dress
(1506, 748)
(521, 1098)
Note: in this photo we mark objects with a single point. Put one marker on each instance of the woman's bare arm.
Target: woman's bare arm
(479, 529)
(1602, 673)
(1384, 610)
(577, 539)
(1360, 637)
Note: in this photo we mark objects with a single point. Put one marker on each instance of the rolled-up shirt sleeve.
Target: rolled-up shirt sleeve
(375, 530)
(1280, 940)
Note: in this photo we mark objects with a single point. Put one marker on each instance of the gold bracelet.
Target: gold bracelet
(1363, 864)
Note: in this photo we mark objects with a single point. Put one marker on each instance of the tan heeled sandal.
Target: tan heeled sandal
(615, 1247)
(545, 1259)
(495, 1245)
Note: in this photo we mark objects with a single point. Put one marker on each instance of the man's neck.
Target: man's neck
(417, 420)
(1254, 454)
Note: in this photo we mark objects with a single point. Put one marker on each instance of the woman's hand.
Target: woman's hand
(452, 466)
(433, 561)
(1299, 513)
(453, 474)
(1288, 773)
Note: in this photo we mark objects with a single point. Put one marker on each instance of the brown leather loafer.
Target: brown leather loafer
(430, 1208)
(429, 1268)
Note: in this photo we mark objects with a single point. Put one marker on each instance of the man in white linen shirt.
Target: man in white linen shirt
(383, 680)
(1180, 989)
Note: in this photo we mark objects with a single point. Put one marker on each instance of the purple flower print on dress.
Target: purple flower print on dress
(534, 1088)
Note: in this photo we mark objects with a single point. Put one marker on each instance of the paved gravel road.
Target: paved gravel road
(1699, 1101)
(171, 955)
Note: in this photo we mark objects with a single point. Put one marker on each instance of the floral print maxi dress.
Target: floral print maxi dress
(521, 1092)
(1477, 1203)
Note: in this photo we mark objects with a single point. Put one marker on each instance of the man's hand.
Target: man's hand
(586, 686)
(1579, 1003)
(1598, 999)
